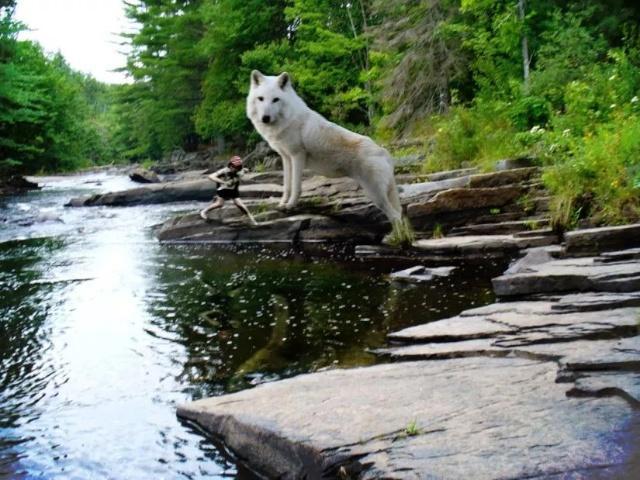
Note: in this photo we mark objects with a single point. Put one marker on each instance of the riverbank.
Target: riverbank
(107, 330)
(544, 383)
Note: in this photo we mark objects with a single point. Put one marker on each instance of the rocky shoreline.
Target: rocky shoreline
(546, 385)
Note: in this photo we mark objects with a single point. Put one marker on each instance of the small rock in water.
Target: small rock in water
(421, 273)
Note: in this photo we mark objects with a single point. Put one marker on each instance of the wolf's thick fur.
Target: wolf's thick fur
(305, 139)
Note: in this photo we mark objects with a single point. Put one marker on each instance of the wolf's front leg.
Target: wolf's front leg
(286, 180)
(297, 166)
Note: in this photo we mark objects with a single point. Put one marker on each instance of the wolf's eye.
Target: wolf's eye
(276, 100)
(261, 98)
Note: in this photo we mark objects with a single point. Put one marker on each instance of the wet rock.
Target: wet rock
(180, 191)
(420, 273)
(141, 175)
(596, 240)
(498, 418)
(16, 184)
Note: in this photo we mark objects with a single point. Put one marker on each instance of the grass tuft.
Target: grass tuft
(402, 234)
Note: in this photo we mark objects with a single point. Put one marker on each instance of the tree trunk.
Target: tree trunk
(526, 59)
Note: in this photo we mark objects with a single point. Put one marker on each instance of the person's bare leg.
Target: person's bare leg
(212, 206)
(243, 208)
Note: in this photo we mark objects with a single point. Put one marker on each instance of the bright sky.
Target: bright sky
(85, 31)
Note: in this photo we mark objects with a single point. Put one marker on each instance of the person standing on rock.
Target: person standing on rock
(228, 180)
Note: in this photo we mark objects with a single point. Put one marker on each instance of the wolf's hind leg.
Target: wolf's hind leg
(380, 197)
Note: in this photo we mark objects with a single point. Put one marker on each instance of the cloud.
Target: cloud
(84, 31)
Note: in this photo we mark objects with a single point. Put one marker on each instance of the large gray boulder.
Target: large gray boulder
(142, 175)
(497, 418)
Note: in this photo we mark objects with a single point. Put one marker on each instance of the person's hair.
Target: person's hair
(235, 162)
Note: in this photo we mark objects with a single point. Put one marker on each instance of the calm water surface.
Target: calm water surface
(103, 331)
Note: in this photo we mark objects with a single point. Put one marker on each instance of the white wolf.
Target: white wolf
(304, 138)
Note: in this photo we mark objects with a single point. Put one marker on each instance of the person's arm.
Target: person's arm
(215, 177)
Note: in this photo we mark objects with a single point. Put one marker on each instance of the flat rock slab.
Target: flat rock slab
(478, 244)
(456, 249)
(456, 328)
(291, 230)
(596, 240)
(571, 274)
(522, 323)
(617, 355)
(495, 417)
(458, 199)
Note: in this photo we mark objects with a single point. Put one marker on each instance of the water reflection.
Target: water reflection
(248, 317)
(103, 331)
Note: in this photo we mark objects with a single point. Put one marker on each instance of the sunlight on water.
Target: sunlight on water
(103, 331)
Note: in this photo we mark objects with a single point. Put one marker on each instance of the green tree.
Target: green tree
(167, 69)
(45, 117)
(234, 27)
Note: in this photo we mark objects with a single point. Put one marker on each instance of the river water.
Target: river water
(103, 331)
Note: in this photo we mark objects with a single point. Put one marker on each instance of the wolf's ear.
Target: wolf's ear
(256, 78)
(283, 80)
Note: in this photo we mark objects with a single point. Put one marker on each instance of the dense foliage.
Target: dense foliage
(478, 80)
(51, 118)
(482, 79)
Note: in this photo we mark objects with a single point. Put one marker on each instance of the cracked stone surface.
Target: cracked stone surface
(495, 417)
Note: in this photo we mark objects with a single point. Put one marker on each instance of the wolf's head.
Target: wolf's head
(269, 98)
